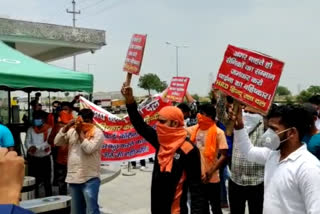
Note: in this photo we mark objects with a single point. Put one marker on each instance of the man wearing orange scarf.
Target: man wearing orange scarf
(39, 151)
(211, 142)
(177, 164)
(60, 153)
(84, 140)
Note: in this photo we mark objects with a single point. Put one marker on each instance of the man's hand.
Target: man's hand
(82, 136)
(237, 118)
(126, 91)
(11, 176)
(68, 126)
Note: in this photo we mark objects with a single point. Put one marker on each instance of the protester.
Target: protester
(186, 112)
(6, 138)
(211, 141)
(177, 162)
(60, 156)
(246, 181)
(292, 173)
(54, 115)
(312, 139)
(39, 150)
(11, 180)
(85, 141)
(315, 100)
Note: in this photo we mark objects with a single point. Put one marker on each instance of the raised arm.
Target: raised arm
(243, 142)
(146, 131)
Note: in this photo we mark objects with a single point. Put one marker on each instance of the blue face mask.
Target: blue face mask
(38, 122)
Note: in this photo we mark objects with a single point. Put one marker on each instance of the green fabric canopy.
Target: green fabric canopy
(18, 71)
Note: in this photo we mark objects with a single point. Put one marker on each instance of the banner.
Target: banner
(135, 54)
(249, 77)
(178, 88)
(122, 142)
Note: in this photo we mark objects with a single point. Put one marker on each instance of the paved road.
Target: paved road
(128, 194)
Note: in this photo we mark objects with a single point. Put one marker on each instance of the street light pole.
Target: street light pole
(177, 55)
(177, 61)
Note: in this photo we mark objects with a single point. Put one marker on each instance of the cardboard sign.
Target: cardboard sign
(135, 54)
(122, 142)
(178, 88)
(249, 77)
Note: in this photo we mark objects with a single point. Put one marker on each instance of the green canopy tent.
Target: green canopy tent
(21, 72)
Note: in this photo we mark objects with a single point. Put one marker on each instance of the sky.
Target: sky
(285, 29)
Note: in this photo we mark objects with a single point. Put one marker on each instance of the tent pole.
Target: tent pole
(49, 102)
(28, 106)
(9, 107)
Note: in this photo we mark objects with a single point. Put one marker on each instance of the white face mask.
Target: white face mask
(271, 139)
(251, 121)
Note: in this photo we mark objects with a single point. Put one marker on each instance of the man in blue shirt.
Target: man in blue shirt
(6, 138)
(313, 139)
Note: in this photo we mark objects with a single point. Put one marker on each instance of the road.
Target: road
(128, 194)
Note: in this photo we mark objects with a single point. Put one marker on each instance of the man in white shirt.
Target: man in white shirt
(39, 152)
(292, 173)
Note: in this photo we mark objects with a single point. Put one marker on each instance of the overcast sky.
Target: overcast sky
(285, 29)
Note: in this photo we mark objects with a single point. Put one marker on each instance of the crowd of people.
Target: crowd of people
(271, 162)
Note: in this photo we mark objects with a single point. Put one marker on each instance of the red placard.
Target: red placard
(178, 88)
(135, 54)
(122, 142)
(249, 77)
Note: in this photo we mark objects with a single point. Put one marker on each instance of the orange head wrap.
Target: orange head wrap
(172, 113)
(170, 138)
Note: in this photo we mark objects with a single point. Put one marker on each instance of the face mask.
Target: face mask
(271, 139)
(38, 122)
(251, 121)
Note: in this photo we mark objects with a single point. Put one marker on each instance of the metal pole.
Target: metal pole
(177, 61)
(9, 105)
(74, 25)
(74, 12)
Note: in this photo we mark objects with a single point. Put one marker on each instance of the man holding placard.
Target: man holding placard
(292, 173)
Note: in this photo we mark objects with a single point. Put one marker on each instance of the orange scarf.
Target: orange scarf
(65, 117)
(86, 128)
(210, 148)
(170, 139)
(43, 129)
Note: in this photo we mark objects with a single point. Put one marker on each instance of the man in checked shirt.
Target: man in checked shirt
(246, 180)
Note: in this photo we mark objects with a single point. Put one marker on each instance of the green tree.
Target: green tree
(152, 82)
(282, 91)
(305, 95)
(196, 96)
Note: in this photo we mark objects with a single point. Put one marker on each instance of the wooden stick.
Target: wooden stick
(230, 123)
(128, 80)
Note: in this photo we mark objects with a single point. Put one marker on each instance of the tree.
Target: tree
(152, 82)
(305, 95)
(282, 91)
(195, 96)
(66, 94)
